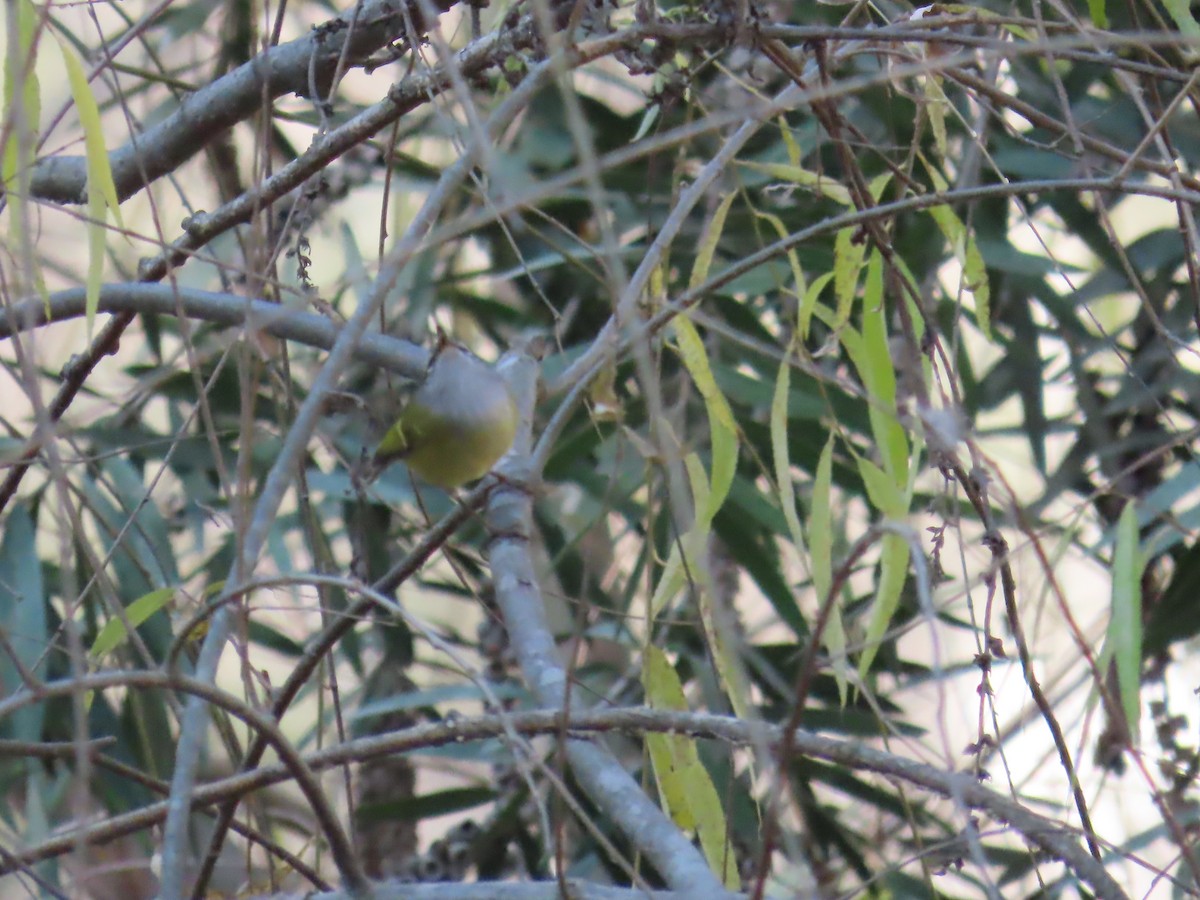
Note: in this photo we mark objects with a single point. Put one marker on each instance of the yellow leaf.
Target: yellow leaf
(20, 73)
(602, 394)
(683, 782)
(808, 305)
(878, 375)
(722, 427)
(1125, 622)
(798, 175)
(100, 177)
(669, 583)
(779, 450)
(114, 633)
(883, 492)
(793, 258)
(729, 671)
(789, 141)
(848, 256)
(695, 359)
(820, 529)
(708, 242)
(893, 569)
(101, 191)
(936, 106)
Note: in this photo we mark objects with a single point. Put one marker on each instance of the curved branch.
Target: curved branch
(399, 356)
(1047, 834)
(260, 723)
(291, 68)
(202, 228)
(605, 781)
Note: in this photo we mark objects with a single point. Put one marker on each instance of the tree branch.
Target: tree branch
(204, 115)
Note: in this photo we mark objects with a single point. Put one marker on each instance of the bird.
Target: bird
(458, 422)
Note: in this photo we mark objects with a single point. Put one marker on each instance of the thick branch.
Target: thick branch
(292, 68)
(1051, 836)
(280, 321)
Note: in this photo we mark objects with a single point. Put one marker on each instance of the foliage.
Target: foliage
(866, 339)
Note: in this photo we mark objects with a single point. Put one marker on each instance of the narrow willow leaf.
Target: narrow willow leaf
(878, 375)
(20, 73)
(669, 583)
(820, 530)
(1181, 12)
(1098, 14)
(1125, 623)
(724, 466)
(798, 175)
(936, 106)
(893, 569)
(963, 245)
(781, 229)
(648, 120)
(96, 233)
(820, 523)
(976, 281)
(101, 190)
(883, 492)
(20, 129)
(848, 256)
(99, 177)
(789, 142)
(695, 358)
(701, 495)
(659, 278)
(730, 674)
(835, 639)
(23, 618)
(722, 427)
(114, 633)
(808, 305)
(782, 458)
(683, 782)
(708, 242)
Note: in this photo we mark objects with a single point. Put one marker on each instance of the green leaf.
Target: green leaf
(1181, 12)
(114, 632)
(885, 495)
(820, 530)
(793, 257)
(963, 245)
(708, 242)
(820, 523)
(101, 190)
(976, 281)
(808, 303)
(893, 570)
(779, 450)
(96, 247)
(722, 426)
(936, 106)
(683, 782)
(20, 73)
(23, 618)
(695, 359)
(848, 256)
(821, 183)
(1125, 622)
(879, 376)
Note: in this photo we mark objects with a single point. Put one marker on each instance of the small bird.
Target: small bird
(458, 422)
